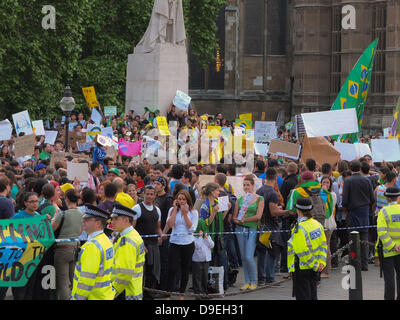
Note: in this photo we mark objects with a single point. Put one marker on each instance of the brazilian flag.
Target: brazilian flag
(354, 92)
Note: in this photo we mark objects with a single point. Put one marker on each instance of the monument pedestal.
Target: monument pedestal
(153, 78)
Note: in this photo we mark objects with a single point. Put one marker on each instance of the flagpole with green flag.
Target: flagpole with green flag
(354, 92)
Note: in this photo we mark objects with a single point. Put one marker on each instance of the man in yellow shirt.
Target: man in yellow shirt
(122, 197)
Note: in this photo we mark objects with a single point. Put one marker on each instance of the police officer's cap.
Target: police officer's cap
(392, 192)
(92, 211)
(120, 210)
(304, 204)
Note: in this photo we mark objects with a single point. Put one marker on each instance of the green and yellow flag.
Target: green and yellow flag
(395, 130)
(354, 92)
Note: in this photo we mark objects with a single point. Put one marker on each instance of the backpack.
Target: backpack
(318, 211)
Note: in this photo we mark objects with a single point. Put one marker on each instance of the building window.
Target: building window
(276, 27)
(213, 77)
(336, 65)
(379, 31)
(254, 27)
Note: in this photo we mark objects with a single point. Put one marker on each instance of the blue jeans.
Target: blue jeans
(266, 265)
(247, 245)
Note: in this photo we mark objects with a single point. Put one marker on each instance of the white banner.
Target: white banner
(385, 149)
(329, 123)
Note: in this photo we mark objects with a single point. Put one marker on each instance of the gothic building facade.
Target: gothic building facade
(286, 57)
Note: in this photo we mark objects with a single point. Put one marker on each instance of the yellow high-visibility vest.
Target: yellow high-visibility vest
(129, 259)
(92, 278)
(308, 243)
(388, 225)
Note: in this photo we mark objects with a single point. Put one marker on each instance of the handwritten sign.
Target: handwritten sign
(90, 96)
(25, 146)
(22, 245)
(22, 122)
(163, 126)
(50, 137)
(181, 100)
(110, 111)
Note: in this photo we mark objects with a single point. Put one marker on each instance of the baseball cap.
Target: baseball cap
(115, 171)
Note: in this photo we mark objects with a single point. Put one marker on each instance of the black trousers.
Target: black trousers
(179, 260)
(200, 277)
(390, 266)
(305, 284)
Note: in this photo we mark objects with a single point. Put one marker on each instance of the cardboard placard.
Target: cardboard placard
(285, 149)
(56, 157)
(78, 170)
(321, 150)
(25, 146)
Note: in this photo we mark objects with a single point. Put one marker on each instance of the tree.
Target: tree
(89, 46)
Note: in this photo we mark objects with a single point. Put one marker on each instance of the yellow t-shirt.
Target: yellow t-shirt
(125, 199)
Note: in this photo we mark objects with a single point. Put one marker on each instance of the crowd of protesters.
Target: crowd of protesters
(168, 200)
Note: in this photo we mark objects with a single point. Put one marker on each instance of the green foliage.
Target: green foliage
(89, 46)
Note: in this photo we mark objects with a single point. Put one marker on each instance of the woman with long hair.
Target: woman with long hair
(182, 219)
(330, 223)
(248, 211)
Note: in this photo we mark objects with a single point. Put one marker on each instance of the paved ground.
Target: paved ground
(329, 289)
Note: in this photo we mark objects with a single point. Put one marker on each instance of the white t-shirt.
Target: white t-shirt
(138, 210)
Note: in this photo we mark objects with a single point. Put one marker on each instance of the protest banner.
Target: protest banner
(84, 146)
(385, 150)
(329, 123)
(90, 96)
(181, 100)
(110, 111)
(129, 149)
(285, 149)
(77, 170)
(163, 126)
(22, 122)
(321, 150)
(5, 130)
(363, 149)
(348, 151)
(23, 243)
(92, 131)
(56, 157)
(25, 146)
(76, 137)
(264, 132)
(96, 116)
(50, 136)
(39, 127)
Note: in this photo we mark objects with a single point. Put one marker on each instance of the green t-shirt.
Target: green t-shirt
(49, 209)
(251, 211)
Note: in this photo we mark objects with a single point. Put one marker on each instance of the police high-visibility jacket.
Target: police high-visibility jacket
(388, 225)
(308, 243)
(129, 259)
(92, 278)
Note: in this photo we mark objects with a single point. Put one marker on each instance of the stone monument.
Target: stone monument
(158, 66)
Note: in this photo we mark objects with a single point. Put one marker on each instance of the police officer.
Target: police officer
(307, 251)
(129, 255)
(388, 225)
(92, 278)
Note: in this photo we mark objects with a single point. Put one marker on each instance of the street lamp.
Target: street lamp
(67, 105)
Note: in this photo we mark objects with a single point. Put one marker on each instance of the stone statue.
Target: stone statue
(166, 26)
